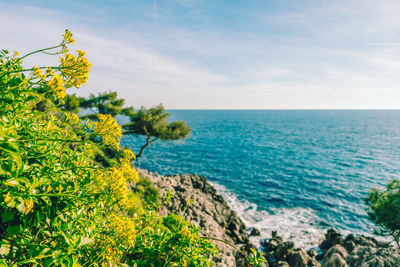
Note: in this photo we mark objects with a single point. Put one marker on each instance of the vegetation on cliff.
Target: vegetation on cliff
(65, 184)
(59, 206)
(384, 209)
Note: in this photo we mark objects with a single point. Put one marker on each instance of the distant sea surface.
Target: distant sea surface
(297, 172)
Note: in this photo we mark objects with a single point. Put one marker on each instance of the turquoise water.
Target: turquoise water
(299, 172)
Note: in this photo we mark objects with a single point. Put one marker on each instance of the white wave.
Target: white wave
(300, 225)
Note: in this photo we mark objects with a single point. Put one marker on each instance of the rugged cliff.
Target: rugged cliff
(216, 219)
(209, 210)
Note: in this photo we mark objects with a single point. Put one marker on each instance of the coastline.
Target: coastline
(216, 218)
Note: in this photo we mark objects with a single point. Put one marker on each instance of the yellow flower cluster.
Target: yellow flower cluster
(75, 70)
(68, 38)
(121, 232)
(129, 173)
(72, 118)
(186, 233)
(7, 198)
(56, 84)
(37, 72)
(124, 228)
(114, 182)
(108, 129)
(128, 155)
(49, 71)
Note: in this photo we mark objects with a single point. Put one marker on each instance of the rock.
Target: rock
(312, 253)
(331, 238)
(281, 264)
(365, 241)
(374, 256)
(283, 250)
(336, 260)
(216, 219)
(270, 245)
(254, 232)
(209, 210)
(298, 258)
(336, 249)
(335, 257)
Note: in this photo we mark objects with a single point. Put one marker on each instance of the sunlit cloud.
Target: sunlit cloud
(306, 54)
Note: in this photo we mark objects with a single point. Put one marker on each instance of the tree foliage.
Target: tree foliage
(384, 209)
(104, 103)
(153, 123)
(71, 103)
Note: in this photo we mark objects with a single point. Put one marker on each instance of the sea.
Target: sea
(298, 172)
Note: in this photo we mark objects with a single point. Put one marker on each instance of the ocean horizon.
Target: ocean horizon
(299, 172)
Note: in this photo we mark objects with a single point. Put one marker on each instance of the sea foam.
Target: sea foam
(300, 225)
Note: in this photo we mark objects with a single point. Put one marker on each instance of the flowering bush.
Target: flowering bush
(58, 206)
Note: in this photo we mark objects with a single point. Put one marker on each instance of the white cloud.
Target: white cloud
(340, 54)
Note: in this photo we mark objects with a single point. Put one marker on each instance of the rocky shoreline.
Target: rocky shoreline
(216, 219)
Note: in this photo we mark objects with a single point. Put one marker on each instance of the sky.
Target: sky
(194, 54)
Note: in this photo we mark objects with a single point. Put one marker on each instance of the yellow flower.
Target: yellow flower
(186, 233)
(16, 53)
(129, 173)
(56, 84)
(114, 183)
(120, 236)
(49, 71)
(72, 118)
(68, 37)
(124, 228)
(109, 130)
(38, 72)
(127, 156)
(28, 204)
(75, 70)
(7, 198)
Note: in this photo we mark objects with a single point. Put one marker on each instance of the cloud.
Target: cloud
(141, 74)
(314, 54)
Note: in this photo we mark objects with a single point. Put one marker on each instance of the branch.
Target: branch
(148, 142)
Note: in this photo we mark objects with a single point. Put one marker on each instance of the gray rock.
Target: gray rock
(335, 257)
(337, 249)
(374, 256)
(331, 238)
(283, 250)
(298, 258)
(336, 260)
(312, 253)
(254, 232)
(209, 210)
(281, 264)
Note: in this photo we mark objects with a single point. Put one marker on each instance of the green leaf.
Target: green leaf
(21, 207)
(3, 263)
(13, 229)
(11, 203)
(47, 200)
(6, 216)
(85, 241)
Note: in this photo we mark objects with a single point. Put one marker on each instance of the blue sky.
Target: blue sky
(277, 54)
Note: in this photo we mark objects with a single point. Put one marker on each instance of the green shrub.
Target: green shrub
(384, 209)
(146, 191)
